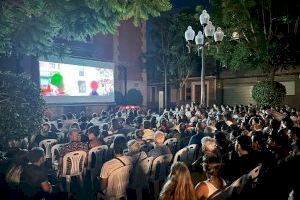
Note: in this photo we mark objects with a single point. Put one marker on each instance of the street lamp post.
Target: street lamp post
(209, 31)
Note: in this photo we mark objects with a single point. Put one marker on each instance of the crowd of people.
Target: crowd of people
(231, 141)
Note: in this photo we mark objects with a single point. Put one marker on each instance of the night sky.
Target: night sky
(187, 3)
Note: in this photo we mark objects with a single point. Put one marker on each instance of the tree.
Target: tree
(21, 106)
(266, 34)
(43, 27)
(268, 93)
(167, 48)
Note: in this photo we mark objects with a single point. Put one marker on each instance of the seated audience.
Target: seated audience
(160, 148)
(34, 179)
(15, 169)
(134, 151)
(179, 185)
(196, 139)
(44, 134)
(93, 134)
(246, 160)
(211, 166)
(118, 161)
(73, 145)
(148, 133)
(139, 136)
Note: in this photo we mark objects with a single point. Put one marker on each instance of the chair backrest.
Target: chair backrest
(97, 157)
(140, 173)
(108, 140)
(255, 172)
(76, 159)
(147, 147)
(118, 182)
(238, 185)
(47, 145)
(181, 155)
(55, 152)
(172, 144)
(191, 157)
(61, 136)
(221, 194)
(160, 167)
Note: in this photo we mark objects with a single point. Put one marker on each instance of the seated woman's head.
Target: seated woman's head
(211, 164)
(93, 133)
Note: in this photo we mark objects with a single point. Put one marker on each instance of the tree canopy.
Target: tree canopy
(21, 105)
(42, 27)
(266, 33)
(167, 47)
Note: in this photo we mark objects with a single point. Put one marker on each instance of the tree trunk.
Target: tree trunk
(272, 74)
(19, 68)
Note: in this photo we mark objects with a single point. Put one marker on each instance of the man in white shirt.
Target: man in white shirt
(120, 160)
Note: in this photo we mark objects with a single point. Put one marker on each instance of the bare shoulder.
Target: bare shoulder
(201, 190)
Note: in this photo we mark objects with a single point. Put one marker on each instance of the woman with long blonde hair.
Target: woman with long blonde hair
(179, 185)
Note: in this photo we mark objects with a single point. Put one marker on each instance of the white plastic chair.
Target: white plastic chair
(159, 171)
(55, 150)
(238, 185)
(60, 136)
(77, 159)
(181, 155)
(254, 173)
(109, 139)
(96, 158)
(141, 176)
(47, 145)
(172, 144)
(117, 183)
(147, 147)
(191, 156)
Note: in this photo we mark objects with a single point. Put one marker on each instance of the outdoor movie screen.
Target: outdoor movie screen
(74, 80)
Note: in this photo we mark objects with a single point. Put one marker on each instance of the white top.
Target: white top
(211, 188)
(113, 165)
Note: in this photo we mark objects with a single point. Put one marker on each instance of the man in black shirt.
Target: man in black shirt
(45, 134)
(34, 180)
(246, 160)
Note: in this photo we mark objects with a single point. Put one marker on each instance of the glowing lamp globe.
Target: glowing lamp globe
(204, 18)
(209, 30)
(189, 34)
(219, 35)
(199, 39)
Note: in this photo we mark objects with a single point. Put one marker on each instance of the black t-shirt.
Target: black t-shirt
(31, 178)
